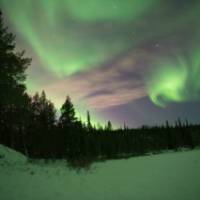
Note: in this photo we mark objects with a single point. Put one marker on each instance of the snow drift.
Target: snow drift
(168, 176)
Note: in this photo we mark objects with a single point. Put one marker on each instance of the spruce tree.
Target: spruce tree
(89, 125)
(67, 118)
(109, 126)
(42, 123)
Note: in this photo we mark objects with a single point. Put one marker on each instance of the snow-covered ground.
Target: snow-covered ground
(168, 176)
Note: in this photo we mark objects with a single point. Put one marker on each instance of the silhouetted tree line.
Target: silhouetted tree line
(29, 124)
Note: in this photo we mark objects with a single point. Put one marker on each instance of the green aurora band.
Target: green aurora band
(63, 33)
(175, 81)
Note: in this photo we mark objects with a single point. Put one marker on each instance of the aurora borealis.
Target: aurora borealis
(113, 57)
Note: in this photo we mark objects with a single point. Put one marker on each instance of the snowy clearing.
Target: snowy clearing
(168, 176)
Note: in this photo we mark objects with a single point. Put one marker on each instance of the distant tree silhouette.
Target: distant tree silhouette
(89, 125)
(42, 122)
(67, 118)
(109, 126)
(69, 128)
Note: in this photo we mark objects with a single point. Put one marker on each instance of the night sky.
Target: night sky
(132, 61)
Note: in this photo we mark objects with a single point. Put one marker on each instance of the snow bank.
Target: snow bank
(168, 176)
(11, 157)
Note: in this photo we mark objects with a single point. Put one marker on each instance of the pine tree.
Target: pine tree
(13, 97)
(71, 132)
(43, 111)
(67, 118)
(89, 125)
(42, 122)
(109, 126)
